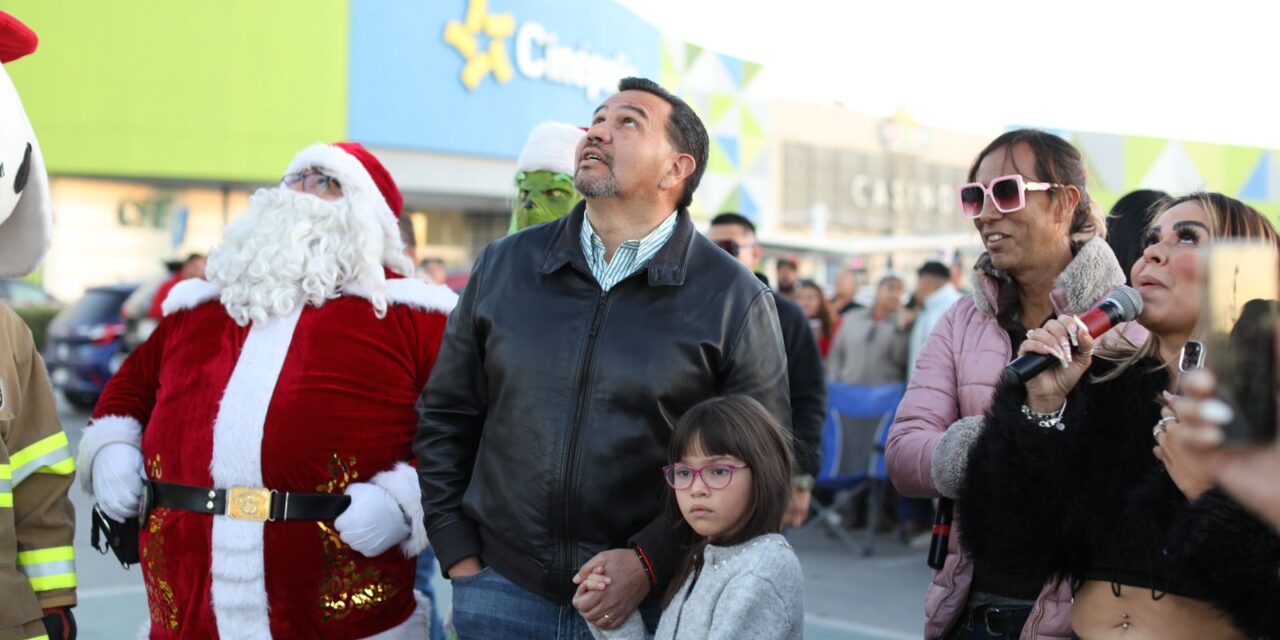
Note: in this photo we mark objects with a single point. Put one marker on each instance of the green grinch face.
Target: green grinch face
(541, 196)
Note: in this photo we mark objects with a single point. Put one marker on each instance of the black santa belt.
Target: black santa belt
(255, 504)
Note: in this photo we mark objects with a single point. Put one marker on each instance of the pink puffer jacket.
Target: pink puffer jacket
(940, 417)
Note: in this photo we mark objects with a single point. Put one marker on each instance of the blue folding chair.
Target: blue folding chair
(853, 441)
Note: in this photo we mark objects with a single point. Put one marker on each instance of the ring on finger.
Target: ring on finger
(1085, 354)
(607, 618)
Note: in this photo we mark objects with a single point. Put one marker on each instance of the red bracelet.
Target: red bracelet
(648, 566)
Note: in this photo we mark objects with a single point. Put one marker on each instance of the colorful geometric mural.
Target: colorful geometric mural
(724, 91)
(1120, 164)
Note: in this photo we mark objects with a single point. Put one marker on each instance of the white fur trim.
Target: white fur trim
(189, 294)
(402, 483)
(552, 146)
(102, 432)
(415, 627)
(411, 292)
(238, 585)
(358, 187)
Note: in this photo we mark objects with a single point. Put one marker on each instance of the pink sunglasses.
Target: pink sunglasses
(1007, 193)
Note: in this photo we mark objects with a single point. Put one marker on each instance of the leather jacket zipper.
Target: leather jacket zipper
(571, 452)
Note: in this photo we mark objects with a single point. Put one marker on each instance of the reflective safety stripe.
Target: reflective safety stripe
(39, 638)
(50, 455)
(41, 556)
(6, 486)
(49, 583)
(52, 568)
(6, 500)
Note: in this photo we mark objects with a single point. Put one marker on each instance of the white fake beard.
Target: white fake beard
(293, 248)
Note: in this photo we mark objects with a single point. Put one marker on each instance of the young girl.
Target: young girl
(731, 473)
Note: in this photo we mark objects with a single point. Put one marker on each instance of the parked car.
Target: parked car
(137, 324)
(84, 345)
(32, 303)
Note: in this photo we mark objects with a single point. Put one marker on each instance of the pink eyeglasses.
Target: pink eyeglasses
(715, 476)
(1008, 193)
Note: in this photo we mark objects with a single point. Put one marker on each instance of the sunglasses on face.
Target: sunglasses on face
(1007, 193)
(314, 183)
(732, 247)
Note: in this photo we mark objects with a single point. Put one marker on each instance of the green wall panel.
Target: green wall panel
(213, 90)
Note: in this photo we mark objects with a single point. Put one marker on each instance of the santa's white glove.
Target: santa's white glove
(117, 480)
(373, 522)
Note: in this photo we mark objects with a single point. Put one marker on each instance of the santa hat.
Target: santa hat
(26, 217)
(551, 147)
(366, 184)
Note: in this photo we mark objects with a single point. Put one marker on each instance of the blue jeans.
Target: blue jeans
(488, 605)
(422, 582)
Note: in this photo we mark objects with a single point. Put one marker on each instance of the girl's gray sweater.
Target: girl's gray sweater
(751, 590)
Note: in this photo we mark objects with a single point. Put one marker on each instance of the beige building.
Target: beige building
(848, 185)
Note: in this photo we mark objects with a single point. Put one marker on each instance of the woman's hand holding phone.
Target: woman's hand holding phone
(1250, 474)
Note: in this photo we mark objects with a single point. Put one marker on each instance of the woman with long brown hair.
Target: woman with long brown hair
(821, 319)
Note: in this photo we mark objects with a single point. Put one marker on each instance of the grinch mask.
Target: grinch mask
(541, 196)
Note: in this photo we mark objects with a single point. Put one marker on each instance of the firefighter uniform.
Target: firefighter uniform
(37, 521)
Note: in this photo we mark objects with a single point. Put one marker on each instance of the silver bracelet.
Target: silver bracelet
(1046, 420)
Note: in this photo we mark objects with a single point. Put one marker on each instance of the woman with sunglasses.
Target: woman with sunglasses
(1028, 201)
(1063, 480)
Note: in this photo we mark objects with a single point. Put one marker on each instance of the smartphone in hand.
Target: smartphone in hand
(1239, 307)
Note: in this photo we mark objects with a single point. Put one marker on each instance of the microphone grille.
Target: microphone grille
(1129, 301)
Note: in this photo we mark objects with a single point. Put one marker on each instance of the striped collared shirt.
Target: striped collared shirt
(630, 257)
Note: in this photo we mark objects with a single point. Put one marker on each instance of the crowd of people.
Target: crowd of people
(607, 433)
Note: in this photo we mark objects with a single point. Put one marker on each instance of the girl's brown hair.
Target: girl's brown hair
(735, 426)
(1228, 218)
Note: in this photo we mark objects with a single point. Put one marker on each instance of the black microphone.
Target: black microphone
(1122, 305)
(941, 538)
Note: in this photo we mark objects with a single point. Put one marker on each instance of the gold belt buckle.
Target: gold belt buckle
(249, 503)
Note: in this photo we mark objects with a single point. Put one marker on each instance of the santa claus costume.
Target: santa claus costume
(267, 393)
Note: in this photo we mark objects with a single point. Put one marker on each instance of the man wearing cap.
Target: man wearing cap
(37, 519)
(544, 175)
(575, 347)
(262, 434)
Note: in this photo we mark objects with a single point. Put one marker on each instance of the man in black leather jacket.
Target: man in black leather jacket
(545, 425)
(736, 234)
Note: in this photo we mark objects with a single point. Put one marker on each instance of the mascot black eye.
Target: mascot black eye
(20, 180)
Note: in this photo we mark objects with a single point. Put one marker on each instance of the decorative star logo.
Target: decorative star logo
(465, 37)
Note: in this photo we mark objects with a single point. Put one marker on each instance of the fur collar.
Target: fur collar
(413, 292)
(1092, 274)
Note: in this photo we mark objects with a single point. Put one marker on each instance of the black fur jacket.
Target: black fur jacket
(1092, 502)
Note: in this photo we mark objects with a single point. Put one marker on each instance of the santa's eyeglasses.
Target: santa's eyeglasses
(313, 182)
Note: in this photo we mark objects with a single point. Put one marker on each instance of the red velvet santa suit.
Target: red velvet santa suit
(308, 402)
